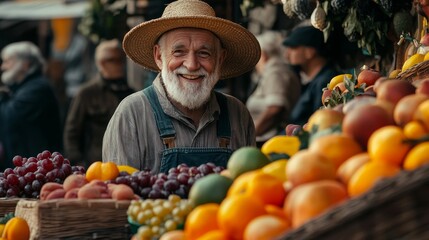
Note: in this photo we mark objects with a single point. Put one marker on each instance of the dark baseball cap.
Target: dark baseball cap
(305, 36)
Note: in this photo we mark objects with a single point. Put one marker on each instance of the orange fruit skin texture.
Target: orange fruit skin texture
(202, 219)
(16, 229)
(257, 184)
(265, 227)
(386, 145)
(214, 235)
(417, 157)
(367, 176)
(422, 113)
(350, 166)
(102, 171)
(309, 166)
(236, 211)
(414, 130)
(336, 147)
(310, 200)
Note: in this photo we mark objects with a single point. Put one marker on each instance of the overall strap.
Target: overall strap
(223, 124)
(163, 122)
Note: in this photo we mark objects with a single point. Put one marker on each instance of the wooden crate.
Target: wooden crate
(396, 208)
(7, 205)
(75, 218)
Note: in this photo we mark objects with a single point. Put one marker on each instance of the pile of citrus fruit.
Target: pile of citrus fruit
(264, 193)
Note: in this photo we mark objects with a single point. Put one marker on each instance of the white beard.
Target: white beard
(188, 94)
(11, 76)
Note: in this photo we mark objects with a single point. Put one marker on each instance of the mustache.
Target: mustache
(184, 71)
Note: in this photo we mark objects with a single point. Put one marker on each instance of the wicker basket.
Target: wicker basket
(396, 208)
(7, 205)
(416, 72)
(75, 219)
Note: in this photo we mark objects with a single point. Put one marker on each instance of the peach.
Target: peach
(72, 193)
(324, 118)
(47, 188)
(89, 192)
(310, 200)
(423, 87)
(74, 181)
(368, 76)
(394, 90)
(406, 107)
(350, 166)
(362, 121)
(57, 193)
(358, 101)
(309, 166)
(122, 192)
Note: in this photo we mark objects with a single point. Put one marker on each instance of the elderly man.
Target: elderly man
(29, 111)
(180, 118)
(94, 105)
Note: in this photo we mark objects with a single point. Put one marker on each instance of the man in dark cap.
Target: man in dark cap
(307, 51)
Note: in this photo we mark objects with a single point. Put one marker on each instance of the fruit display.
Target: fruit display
(30, 174)
(14, 228)
(177, 180)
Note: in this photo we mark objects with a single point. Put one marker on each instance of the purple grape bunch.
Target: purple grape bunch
(29, 174)
(177, 180)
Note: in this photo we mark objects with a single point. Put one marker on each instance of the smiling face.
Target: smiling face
(190, 62)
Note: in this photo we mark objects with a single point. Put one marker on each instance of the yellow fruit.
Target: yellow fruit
(276, 169)
(413, 60)
(417, 156)
(128, 169)
(278, 147)
(16, 229)
(394, 73)
(1, 228)
(338, 79)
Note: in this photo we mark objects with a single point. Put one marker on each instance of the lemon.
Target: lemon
(276, 169)
(394, 73)
(413, 60)
(426, 57)
(338, 79)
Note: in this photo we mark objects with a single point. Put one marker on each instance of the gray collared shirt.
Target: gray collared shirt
(132, 137)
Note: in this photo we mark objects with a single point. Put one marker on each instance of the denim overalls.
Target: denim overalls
(192, 156)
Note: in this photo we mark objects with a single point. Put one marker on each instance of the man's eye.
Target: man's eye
(204, 54)
(178, 52)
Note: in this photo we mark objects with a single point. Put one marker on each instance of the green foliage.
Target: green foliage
(7, 217)
(352, 90)
(105, 19)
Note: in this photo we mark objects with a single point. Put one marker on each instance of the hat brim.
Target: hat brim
(243, 50)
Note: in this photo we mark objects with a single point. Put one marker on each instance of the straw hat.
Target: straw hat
(243, 49)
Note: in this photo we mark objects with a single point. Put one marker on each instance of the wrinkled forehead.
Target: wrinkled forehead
(172, 34)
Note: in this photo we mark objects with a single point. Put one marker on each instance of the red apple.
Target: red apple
(368, 76)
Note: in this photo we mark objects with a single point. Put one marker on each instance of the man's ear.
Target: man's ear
(157, 55)
(222, 56)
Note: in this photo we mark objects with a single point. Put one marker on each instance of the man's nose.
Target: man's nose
(191, 62)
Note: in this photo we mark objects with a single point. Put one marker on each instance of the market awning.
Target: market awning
(42, 9)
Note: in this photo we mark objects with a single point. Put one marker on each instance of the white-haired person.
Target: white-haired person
(180, 118)
(94, 104)
(29, 110)
(277, 88)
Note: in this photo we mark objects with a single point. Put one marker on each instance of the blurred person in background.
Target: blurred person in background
(306, 51)
(29, 110)
(277, 88)
(94, 104)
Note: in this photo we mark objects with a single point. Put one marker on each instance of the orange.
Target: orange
(276, 211)
(201, 220)
(312, 199)
(417, 157)
(414, 130)
(261, 185)
(368, 175)
(102, 171)
(336, 147)
(386, 144)
(265, 227)
(236, 211)
(422, 113)
(351, 165)
(214, 235)
(17, 229)
(309, 166)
